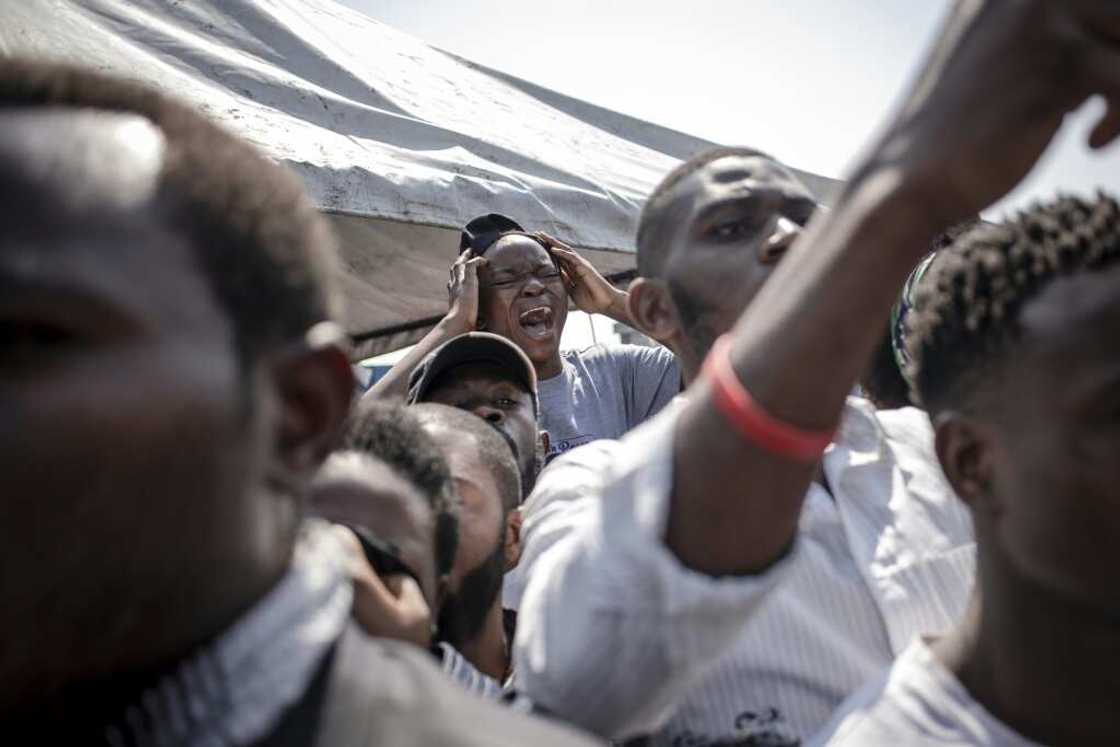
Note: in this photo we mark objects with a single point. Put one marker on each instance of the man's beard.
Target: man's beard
(695, 321)
(464, 612)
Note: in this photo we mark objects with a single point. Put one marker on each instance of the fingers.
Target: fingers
(456, 269)
(552, 241)
(571, 261)
(470, 271)
(465, 269)
(408, 593)
(355, 557)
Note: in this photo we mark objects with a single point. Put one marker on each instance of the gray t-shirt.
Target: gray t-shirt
(604, 391)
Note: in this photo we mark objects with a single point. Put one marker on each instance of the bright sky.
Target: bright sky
(807, 80)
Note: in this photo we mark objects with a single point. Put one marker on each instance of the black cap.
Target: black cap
(474, 347)
(484, 230)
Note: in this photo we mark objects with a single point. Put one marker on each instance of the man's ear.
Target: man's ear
(443, 591)
(652, 309)
(315, 385)
(544, 443)
(965, 449)
(513, 539)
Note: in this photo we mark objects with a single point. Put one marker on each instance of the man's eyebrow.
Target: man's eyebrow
(748, 200)
(21, 286)
(744, 201)
(514, 385)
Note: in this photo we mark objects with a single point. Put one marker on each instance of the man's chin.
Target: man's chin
(539, 350)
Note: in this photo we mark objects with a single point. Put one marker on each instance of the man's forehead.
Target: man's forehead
(744, 169)
(1075, 310)
(477, 373)
(516, 248)
(90, 159)
(356, 483)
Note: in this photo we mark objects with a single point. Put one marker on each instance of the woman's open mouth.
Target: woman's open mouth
(536, 322)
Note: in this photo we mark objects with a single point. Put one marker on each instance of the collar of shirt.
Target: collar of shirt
(234, 691)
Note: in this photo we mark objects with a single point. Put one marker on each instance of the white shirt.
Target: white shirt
(456, 666)
(617, 636)
(917, 702)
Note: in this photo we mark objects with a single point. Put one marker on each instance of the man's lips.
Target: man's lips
(536, 315)
(536, 322)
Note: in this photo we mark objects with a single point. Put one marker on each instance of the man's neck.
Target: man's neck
(1046, 667)
(551, 368)
(489, 650)
(77, 705)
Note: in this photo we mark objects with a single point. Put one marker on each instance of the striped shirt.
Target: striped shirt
(693, 660)
(456, 666)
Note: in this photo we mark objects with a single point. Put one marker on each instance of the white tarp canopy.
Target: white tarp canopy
(399, 142)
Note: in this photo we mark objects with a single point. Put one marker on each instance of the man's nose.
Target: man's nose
(785, 233)
(532, 286)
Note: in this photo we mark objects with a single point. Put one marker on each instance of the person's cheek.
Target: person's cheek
(494, 316)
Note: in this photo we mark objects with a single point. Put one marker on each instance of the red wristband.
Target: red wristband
(749, 418)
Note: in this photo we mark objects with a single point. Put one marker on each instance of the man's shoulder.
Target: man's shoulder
(574, 474)
(618, 354)
(387, 692)
(590, 456)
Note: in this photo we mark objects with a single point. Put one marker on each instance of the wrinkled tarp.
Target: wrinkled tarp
(399, 142)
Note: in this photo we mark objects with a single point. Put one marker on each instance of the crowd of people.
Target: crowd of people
(861, 493)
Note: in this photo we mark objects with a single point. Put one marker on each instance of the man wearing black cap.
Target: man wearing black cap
(489, 376)
(518, 285)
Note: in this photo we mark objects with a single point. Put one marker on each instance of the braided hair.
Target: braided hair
(965, 317)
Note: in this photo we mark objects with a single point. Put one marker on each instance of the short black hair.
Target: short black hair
(883, 382)
(966, 313)
(393, 434)
(480, 233)
(266, 251)
(493, 451)
(652, 223)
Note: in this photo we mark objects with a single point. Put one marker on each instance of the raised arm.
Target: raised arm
(992, 94)
(462, 317)
(590, 291)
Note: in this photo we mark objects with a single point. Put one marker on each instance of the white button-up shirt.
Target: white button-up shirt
(616, 635)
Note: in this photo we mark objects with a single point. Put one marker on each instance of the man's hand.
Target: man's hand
(462, 292)
(591, 292)
(392, 607)
(993, 92)
(462, 316)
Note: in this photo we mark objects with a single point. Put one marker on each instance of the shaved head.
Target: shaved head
(88, 148)
(92, 160)
(160, 422)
